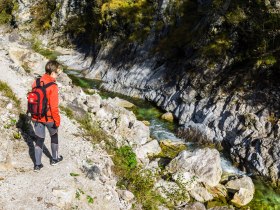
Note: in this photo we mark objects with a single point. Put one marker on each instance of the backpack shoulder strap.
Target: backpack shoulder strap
(38, 82)
(49, 84)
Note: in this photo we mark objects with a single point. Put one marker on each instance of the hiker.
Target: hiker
(45, 113)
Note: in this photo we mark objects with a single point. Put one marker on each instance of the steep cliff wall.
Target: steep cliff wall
(219, 79)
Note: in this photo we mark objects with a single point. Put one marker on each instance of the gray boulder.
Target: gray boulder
(205, 164)
(243, 188)
(149, 149)
(93, 102)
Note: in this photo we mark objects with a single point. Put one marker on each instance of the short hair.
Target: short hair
(52, 66)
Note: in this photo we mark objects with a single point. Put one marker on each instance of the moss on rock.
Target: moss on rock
(171, 149)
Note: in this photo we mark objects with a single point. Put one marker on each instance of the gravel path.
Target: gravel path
(53, 187)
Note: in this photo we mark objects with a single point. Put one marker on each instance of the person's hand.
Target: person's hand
(54, 126)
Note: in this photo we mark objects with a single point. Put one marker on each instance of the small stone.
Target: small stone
(147, 123)
(126, 195)
(9, 106)
(168, 117)
(39, 199)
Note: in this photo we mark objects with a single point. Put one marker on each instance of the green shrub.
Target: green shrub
(236, 16)
(127, 157)
(266, 61)
(7, 7)
(217, 47)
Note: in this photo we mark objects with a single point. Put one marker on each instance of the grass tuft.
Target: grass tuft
(69, 113)
(9, 94)
(49, 54)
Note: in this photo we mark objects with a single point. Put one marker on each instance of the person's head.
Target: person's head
(53, 68)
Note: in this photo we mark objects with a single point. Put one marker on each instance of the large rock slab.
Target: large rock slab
(205, 164)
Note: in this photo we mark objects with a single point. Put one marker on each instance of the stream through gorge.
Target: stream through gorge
(265, 197)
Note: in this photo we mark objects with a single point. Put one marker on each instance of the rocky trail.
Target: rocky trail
(53, 187)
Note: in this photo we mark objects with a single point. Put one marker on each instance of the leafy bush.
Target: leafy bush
(128, 157)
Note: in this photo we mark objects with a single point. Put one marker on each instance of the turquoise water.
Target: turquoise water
(265, 198)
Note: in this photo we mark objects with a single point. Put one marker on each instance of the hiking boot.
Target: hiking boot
(37, 168)
(56, 161)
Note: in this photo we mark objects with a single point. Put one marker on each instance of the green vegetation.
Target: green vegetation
(266, 61)
(89, 199)
(74, 174)
(217, 47)
(265, 198)
(26, 68)
(169, 150)
(7, 8)
(184, 27)
(50, 54)
(17, 135)
(83, 83)
(10, 124)
(43, 12)
(132, 19)
(129, 160)
(79, 192)
(7, 91)
(69, 113)
(236, 16)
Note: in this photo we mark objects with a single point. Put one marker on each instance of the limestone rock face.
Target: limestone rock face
(30, 61)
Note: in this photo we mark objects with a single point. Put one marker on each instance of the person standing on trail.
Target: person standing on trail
(51, 117)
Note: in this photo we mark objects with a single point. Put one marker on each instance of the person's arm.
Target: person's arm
(53, 100)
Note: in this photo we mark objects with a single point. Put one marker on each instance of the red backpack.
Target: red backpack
(37, 102)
